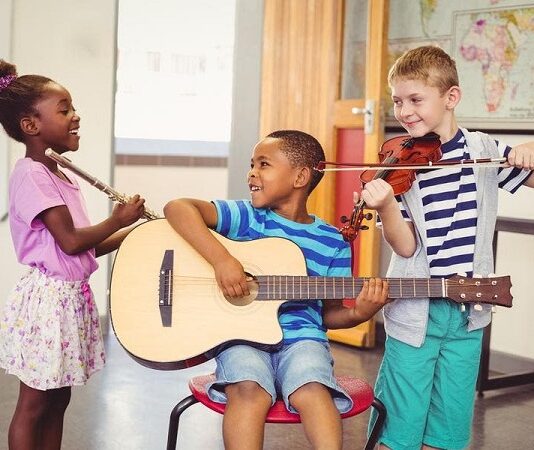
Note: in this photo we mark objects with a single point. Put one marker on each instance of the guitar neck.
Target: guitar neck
(494, 290)
(273, 287)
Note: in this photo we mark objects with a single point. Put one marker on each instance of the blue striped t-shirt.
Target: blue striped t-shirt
(449, 206)
(325, 252)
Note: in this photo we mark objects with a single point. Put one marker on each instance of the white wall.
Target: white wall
(73, 42)
(246, 96)
(159, 184)
(6, 249)
(512, 331)
(5, 50)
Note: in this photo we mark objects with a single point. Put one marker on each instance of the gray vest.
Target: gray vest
(406, 319)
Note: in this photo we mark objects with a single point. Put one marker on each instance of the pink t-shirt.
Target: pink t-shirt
(33, 189)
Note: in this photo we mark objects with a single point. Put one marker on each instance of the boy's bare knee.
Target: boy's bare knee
(247, 391)
(311, 389)
(308, 394)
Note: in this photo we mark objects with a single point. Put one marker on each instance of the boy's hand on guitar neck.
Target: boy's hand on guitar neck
(372, 297)
(231, 277)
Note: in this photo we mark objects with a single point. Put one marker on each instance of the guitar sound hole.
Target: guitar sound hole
(244, 301)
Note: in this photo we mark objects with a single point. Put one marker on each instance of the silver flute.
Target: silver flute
(108, 190)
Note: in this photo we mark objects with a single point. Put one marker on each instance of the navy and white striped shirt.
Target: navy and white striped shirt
(449, 206)
(325, 252)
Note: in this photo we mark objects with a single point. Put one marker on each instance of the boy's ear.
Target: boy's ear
(454, 95)
(29, 126)
(303, 177)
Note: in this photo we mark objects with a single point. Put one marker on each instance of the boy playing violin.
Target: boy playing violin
(280, 179)
(442, 226)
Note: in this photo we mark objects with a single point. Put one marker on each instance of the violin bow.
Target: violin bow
(342, 167)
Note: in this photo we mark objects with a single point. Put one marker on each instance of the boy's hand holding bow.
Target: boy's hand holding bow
(522, 156)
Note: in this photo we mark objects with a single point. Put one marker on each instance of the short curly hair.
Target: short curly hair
(18, 99)
(302, 150)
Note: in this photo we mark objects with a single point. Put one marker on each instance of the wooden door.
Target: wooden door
(302, 69)
(358, 141)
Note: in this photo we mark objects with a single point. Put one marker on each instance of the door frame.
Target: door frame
(368, 250)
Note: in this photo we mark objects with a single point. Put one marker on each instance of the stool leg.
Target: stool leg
(377, 427)
(172, 435)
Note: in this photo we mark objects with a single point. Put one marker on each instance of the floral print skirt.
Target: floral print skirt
(50, 333)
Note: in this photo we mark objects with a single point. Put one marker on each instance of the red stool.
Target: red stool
(361, 393)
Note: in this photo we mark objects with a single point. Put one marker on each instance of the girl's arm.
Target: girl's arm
(371, 299)
(113, 242)
(74, 240)
(192, 218)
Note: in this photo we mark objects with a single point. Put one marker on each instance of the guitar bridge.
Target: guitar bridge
(165, 288)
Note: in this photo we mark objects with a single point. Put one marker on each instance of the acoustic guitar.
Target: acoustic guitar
(168, 312)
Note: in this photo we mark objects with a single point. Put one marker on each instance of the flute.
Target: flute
(108, 190)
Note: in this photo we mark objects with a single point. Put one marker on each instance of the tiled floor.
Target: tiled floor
(126, 406)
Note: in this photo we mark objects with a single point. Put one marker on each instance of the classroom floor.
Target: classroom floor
(126, 407)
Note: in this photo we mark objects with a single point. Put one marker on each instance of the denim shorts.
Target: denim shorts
(281, 372)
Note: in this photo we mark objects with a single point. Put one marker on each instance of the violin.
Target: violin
(404, 150)
(400, 158)
(400, 149)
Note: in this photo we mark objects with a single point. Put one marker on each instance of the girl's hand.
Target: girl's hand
(372, 297)
(522, 156)
(231, 277)
(130, 212)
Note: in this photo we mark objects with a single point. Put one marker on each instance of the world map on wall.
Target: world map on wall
(492, 42)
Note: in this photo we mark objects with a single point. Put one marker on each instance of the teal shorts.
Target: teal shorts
(429, 391)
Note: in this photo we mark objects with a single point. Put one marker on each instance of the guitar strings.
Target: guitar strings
(292, 287)
(290, 280)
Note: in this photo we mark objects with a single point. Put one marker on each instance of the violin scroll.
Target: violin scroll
(354, 223)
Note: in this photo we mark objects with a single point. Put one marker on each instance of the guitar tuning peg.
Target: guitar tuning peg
(344, 219)
(478, 307)
(364, 227)
(368, 216)
(462, 307)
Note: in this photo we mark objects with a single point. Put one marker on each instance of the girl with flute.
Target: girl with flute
(50, 336)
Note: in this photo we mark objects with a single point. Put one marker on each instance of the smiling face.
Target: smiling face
(272, 180)
(421, 108)
(56, 121)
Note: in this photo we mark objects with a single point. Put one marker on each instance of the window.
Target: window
(153, 61)
(174, 77)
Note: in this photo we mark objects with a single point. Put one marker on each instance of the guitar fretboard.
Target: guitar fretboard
(286, 287)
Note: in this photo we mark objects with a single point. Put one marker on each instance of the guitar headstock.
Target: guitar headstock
(492, 290)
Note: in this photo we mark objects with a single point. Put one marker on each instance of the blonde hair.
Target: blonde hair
(429, 64)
